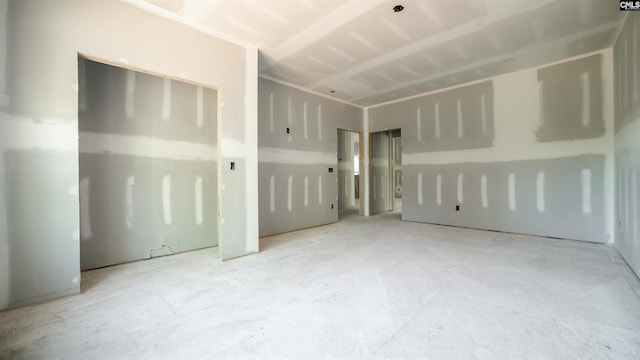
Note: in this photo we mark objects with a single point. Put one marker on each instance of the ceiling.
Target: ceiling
(364, 53)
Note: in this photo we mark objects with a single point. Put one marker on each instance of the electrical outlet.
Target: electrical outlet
(233, 165)
(330, 170)
(288, 131)
(332, 206)
(457, 207)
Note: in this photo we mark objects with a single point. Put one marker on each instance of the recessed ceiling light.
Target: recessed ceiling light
(398, 8)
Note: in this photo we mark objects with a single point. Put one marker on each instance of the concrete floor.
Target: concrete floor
(362, 288)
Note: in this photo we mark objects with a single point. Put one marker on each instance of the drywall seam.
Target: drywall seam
(156, 10)
(523, 54)
(287, 156)
(143, 146)
(232, 148)
(506, 153)
(483, 80)
(50, 134)
(315, 31)
(627, 135)
(432, 41)
(618, 32)
(309, 91)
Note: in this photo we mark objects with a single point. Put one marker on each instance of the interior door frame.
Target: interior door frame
(360, 169)
(391, 159)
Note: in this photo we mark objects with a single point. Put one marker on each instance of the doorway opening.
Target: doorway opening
(350, 197)
(396, 169)
(385, 175)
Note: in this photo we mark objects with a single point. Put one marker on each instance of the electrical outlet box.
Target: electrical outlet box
(457, 207)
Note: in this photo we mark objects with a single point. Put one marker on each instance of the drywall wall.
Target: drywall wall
(626, 54)
(512, 153)
(298, 156)
(43, 41)
(348, 148)
(148, 183)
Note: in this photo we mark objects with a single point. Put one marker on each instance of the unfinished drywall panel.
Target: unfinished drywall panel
(298, 157)
(233, 186)
(293, 119)
(42, 267)
(297, 196)
(561, 197)
(627, 73)
(461, 118)
(115, 100)
(140, 200)
(509, 180)
(42, 85)
(135, 208)
(571, 100)
(626, 53)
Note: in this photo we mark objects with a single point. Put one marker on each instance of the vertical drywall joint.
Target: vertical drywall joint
(319, 115)
(419, 123)
(460, 120)
(198, 203)
(306, 191)
(166, 200)
(166, 99)
(130, 92)
(540, 184)
(129, 213)
(365, 161)
(483, 113)
(271, 110)
(439, 189)
(290, 193)
(420, 199)
(436, 115)
(483, 191)
(585, 181)
(272, 194)
(199, 107)
(305, 109)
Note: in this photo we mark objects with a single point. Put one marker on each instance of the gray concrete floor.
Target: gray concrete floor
(362, 288)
